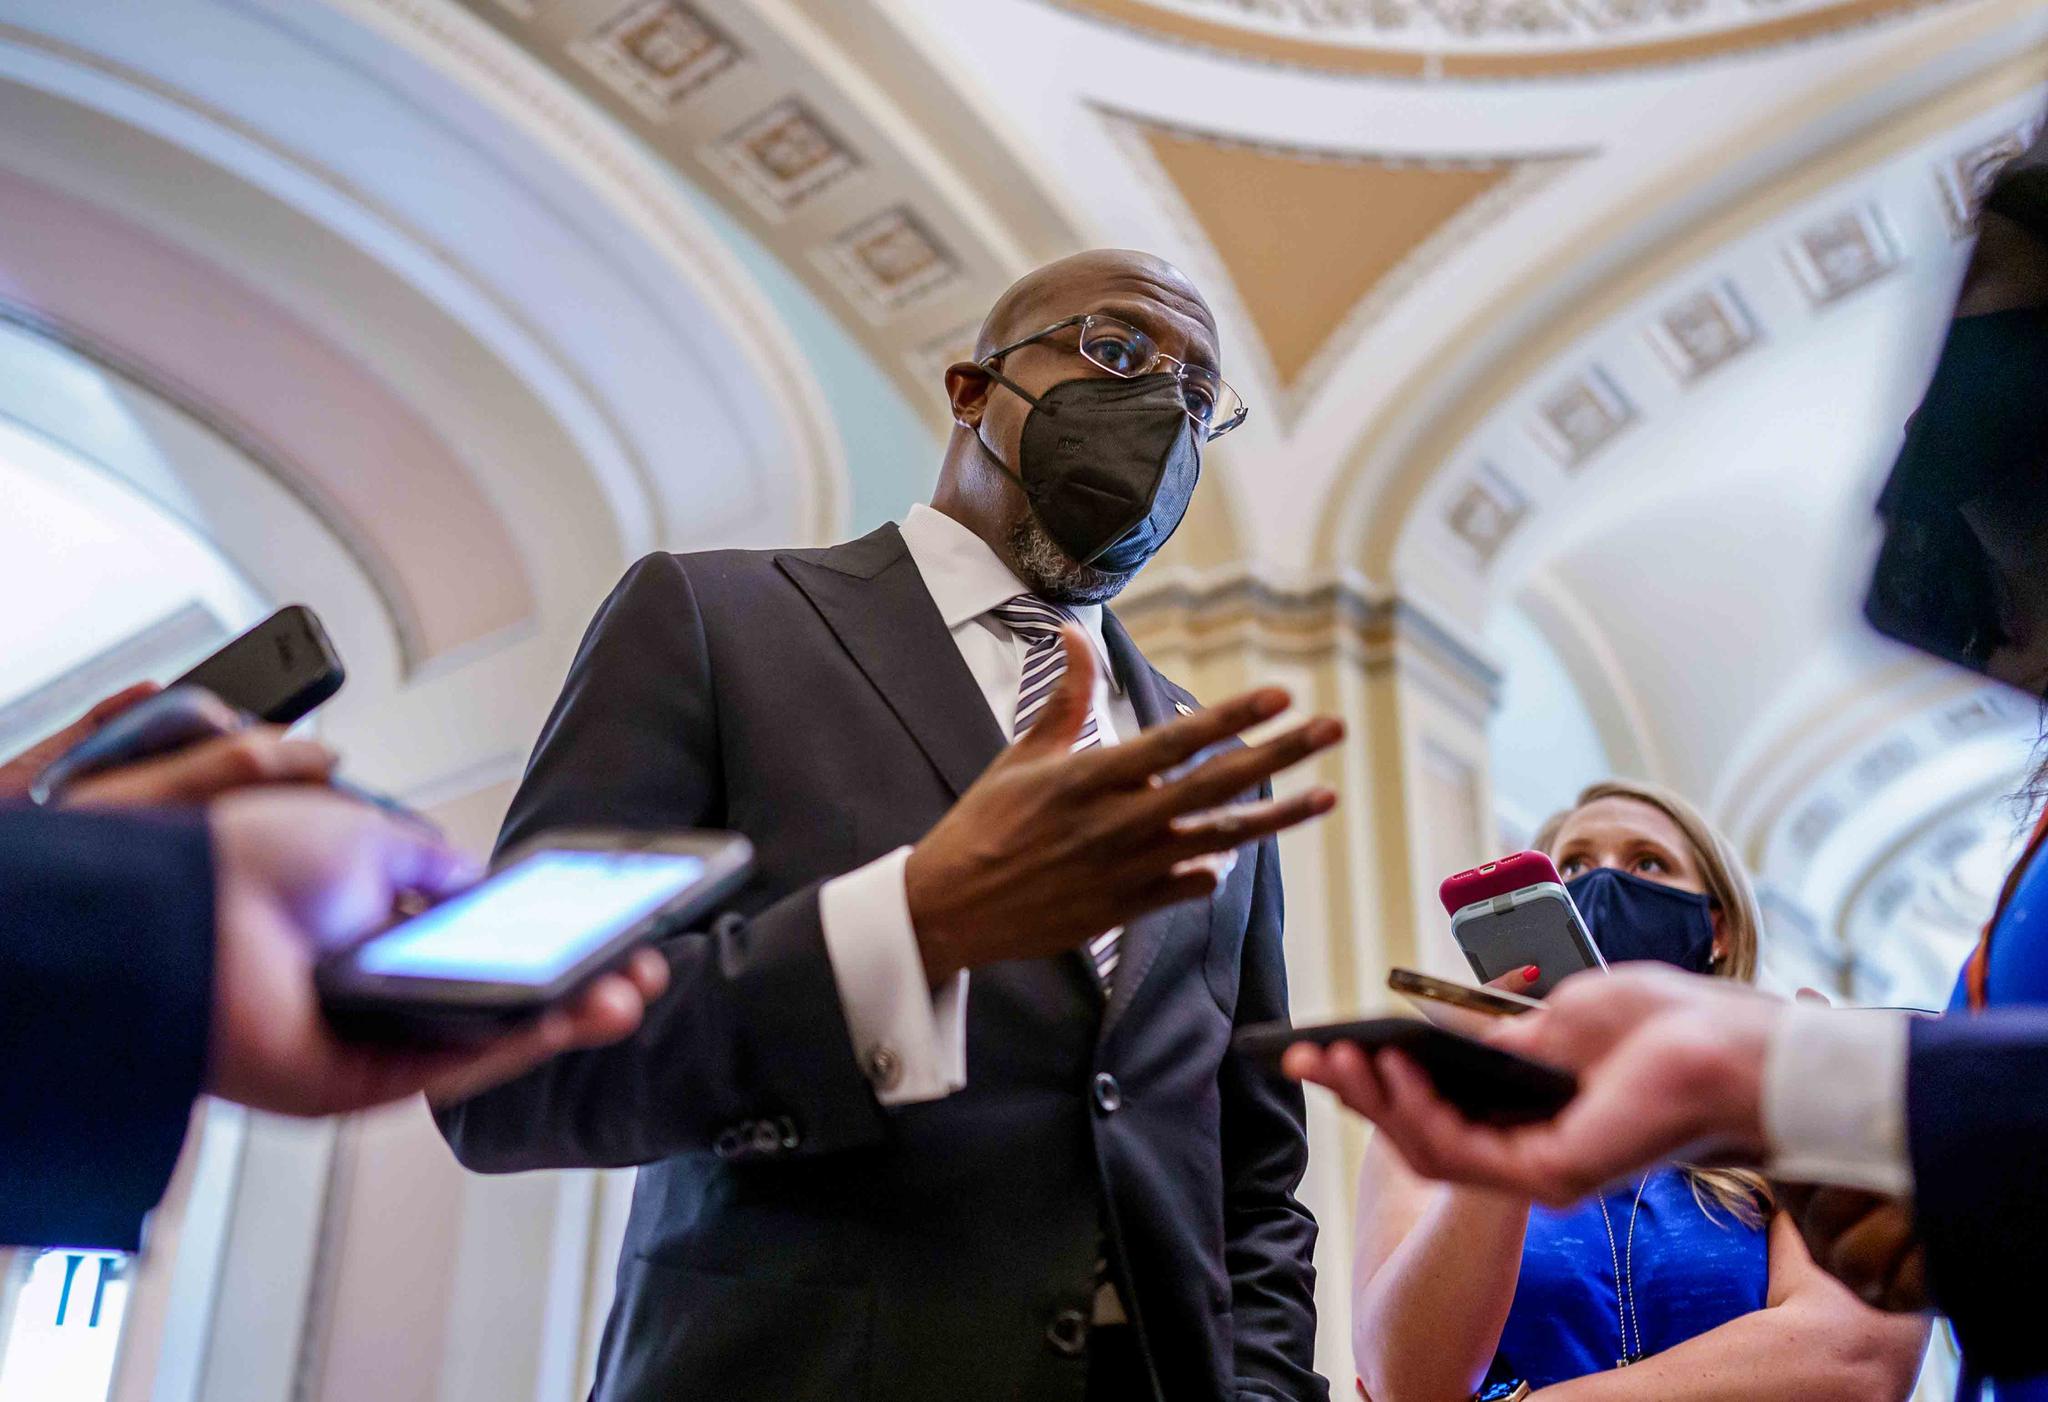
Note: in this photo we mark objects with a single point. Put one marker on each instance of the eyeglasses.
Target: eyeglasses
(1126, 352)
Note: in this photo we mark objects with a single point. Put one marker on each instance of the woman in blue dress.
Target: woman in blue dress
(1680, 1286)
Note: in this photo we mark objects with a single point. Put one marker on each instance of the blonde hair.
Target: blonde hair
(1746, 1195)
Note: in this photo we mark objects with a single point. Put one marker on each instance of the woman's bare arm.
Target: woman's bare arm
(1434, 1275)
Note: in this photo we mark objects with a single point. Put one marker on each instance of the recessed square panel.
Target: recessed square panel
(656, 53)
(1582, 416)
(1966, 177)
(1702, 332)
(889, 262)
(782, 157)
(1486, 511)
(1840, 254)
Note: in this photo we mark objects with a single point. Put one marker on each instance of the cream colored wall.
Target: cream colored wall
(1414, 806)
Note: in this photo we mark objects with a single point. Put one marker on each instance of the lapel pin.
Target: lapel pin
(1184, 708)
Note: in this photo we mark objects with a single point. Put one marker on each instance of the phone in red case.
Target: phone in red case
(1483, 883)
(1516, 912)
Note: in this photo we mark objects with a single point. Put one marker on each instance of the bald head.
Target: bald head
(1113, 280)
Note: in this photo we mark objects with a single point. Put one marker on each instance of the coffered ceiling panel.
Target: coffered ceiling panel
(1315, 242)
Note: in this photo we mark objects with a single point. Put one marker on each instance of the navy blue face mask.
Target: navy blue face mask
(1631, 918)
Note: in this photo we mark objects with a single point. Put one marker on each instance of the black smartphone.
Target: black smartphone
(557, 912)
(278, 671)
(1487, 1084)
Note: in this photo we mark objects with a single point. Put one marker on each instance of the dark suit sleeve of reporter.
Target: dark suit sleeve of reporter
(1269, 1236)
(750, 1033)
(1977, 1129)
(106, 995)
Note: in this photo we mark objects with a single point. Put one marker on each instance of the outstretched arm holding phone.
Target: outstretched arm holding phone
(191, 940)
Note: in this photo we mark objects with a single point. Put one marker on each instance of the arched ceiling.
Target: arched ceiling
(362, 295)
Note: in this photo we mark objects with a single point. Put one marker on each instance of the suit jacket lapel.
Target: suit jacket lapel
(871, 596)
(1154, 702)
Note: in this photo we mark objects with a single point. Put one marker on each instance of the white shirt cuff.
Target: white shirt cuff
(911, 1039)
(1835, 1099)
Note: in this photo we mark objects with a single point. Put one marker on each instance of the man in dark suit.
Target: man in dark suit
(945, 1106)
(146, 958)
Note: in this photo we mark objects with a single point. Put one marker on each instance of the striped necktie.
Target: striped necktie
(1038, 624)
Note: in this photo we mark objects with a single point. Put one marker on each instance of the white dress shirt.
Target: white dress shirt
(1835, 1098)
(912, 1039)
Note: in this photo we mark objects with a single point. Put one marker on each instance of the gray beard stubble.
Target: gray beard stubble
(1052, 573)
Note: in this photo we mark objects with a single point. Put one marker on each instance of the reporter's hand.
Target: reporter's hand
(19, 774)
(1865, 1240)
(1050, 848)
(204, 771)
(300, 871)
(1669, 1064)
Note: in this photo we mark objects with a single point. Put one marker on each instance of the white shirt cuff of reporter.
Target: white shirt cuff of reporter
(1835, 1099)
(910, 1038)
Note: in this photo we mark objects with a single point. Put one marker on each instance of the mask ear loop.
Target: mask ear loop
(991, 454)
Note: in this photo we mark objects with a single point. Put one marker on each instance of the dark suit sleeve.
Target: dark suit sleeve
(749, 1048)
(106, 995)
(1269, 1236)
(1977, 1129)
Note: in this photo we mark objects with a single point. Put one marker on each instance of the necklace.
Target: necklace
(1624, 1259)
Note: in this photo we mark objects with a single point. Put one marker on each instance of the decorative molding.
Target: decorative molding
(1562, 34)
(1318, 621)
(464, 38)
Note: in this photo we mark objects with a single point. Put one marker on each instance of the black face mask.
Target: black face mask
(1630, 918)
(1108, 466)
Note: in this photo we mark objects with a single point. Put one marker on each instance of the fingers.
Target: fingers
(206, 770)
(608, 1011)
(107, 707)
(19, 773)
(1342, 1069)
(1517, 980)
(1234, 825)
(417, 859)
(1225, 776)
(1164, 746)
(649, 973)
(1065, 713)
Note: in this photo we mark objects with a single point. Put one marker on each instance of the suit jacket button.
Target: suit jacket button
(1109, 1096)
(1067, 1335)
(730, 1143)
(767, 1139)
(885, 1068)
